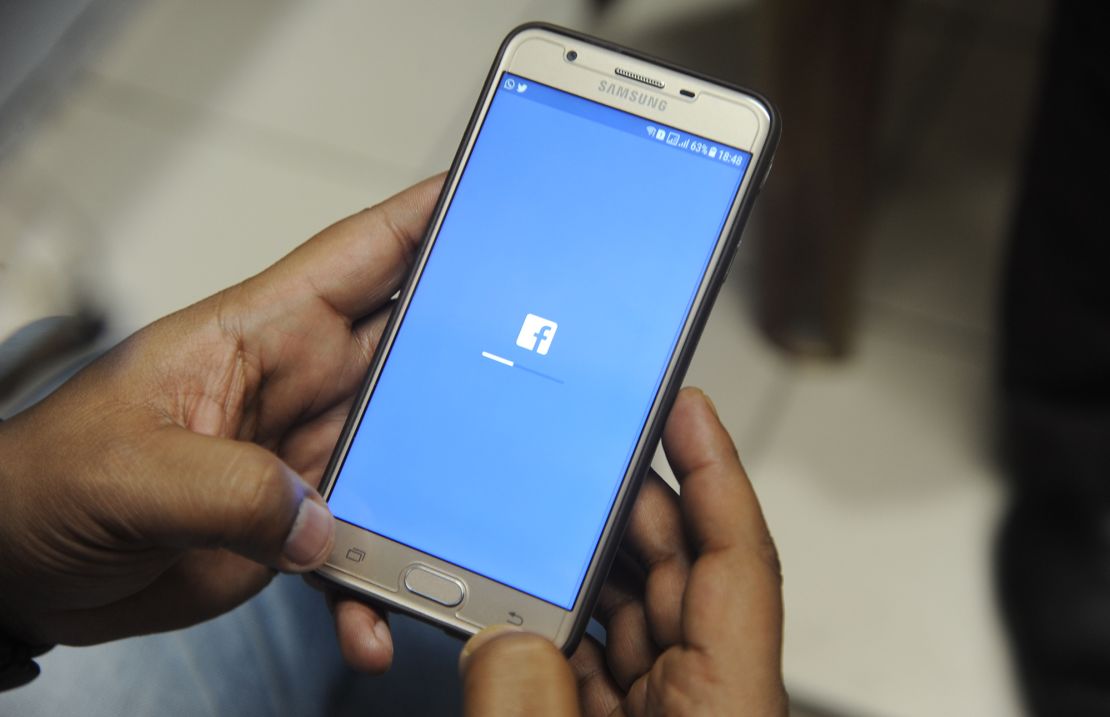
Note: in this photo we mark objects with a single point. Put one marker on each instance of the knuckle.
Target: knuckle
(615, 608)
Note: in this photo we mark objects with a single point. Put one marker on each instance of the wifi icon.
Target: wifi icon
(650, 131)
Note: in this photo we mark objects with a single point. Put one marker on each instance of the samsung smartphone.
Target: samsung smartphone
(490, 462)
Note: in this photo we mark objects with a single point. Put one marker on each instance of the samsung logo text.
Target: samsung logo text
(636, 97)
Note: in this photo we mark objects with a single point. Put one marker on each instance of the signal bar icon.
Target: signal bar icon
(650, 131)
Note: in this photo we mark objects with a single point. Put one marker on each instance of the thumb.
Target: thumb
(221, 493)
(506, 671)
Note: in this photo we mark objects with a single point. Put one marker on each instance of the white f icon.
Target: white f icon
(536, 334)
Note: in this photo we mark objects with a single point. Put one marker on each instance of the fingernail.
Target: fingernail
(708, 400)
(311, 535)
(485, 635)
(712, 406)
(381, 634)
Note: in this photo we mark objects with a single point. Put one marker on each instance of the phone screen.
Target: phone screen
(522, 375)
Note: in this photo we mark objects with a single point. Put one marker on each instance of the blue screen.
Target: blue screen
(510, 404)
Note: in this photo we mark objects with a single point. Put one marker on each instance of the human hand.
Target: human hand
(166, 482)
(692, 607)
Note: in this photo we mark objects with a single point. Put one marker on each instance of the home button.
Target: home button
(435, 586)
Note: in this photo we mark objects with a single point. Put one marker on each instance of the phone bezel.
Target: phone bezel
(752, 126)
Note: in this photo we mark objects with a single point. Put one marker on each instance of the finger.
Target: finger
(307, 448)
(629, 648)
(598, 694)
(356, 264)
(364, 637)
(218, 492)
(718, 502)
(367, 333)
(641, 603)
(733, 603)
(200, 586)
(657, 540)
(506, 671)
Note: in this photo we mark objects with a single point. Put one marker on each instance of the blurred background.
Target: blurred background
(152, 153)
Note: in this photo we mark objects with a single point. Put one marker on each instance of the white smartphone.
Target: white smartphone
(491, 460)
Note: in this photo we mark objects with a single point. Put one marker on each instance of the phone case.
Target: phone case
(589, 593)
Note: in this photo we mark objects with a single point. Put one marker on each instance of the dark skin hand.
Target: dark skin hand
(168, 481)
(693, 608)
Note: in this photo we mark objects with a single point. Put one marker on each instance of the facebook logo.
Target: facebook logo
(536, 334)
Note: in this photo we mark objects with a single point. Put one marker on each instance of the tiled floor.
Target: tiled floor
(209, 138)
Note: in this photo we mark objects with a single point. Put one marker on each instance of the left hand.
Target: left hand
(166, 482)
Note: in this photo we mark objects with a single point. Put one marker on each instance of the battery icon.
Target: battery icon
(712, 152)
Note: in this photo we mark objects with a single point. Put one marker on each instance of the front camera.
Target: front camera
(572, 56)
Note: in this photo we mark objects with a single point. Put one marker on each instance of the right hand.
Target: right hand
(692, 608)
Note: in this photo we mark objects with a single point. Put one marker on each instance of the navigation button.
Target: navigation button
(437, 587)
(355, 555)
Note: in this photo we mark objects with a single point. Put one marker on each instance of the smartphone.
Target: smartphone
(491, 460)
